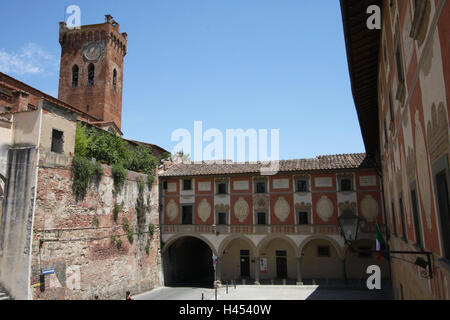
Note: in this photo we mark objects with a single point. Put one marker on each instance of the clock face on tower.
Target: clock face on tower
(93, 51)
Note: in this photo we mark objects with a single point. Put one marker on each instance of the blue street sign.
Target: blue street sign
(48, 271)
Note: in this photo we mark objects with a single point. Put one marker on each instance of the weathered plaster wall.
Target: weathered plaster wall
(5, 143)
(26, 128)
(17, 220)
(415, 131)
(61, 123)
(75, 239)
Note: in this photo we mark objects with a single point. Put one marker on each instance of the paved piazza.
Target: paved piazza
(268, 292)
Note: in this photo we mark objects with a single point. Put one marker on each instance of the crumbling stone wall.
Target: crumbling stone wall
(79, 240)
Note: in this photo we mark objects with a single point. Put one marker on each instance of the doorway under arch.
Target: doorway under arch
(281, 256)
(188, 262)
(238, 256)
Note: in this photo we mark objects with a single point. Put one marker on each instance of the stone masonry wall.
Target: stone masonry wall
(77, 239)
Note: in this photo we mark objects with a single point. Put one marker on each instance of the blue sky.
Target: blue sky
(262, 64)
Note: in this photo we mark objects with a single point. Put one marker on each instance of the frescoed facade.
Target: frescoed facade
(401, 84)
(270, 228)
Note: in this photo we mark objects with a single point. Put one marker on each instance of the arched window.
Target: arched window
(114, 80)
(75, 76)
(91, 74)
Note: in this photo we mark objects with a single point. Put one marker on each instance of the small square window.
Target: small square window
(261, 218)
(346, 184)
(222, 218)
(222, 188)
(323, 251)
(302, 186)
(260, 187)
(245, 252)
(187, 184)
(57, 141)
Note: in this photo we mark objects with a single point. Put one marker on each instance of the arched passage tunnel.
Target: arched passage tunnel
(188, 262)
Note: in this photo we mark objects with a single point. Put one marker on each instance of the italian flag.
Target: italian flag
(381, 245)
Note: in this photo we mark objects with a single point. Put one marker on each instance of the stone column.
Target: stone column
(299, 272)
(218, 279)
(257, 264)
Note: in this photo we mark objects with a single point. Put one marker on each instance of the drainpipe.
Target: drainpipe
(40, 118)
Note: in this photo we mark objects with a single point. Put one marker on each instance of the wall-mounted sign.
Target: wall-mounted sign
(204, 186)
(240, 185)
(367, 181)
(323, 182)
(172, 187)
(281, 183)
(263, 265)
(48, 271)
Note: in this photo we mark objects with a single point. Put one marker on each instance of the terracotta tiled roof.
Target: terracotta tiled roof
(329, 162)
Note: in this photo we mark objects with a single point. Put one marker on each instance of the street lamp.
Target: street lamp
(350, 223)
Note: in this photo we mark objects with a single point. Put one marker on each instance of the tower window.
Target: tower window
(75, 76)
(91, 74)
(114, 79)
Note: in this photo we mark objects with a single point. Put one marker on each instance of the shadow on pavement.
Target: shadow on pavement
(343, 293)
(193, 284)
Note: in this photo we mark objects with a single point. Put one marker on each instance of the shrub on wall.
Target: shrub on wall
(141, 208)
(107, 147)
(119, 174)
(116, 210)
(141, 159)
(151, 229)
(83, 172)
(130, 236)
(150, 180)
(112, 149)
(116, 152)
(82, 140)
(125, 224)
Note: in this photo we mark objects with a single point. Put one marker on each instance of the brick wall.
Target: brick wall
(74, 238)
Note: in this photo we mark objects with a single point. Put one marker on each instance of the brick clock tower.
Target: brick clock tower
(91, 71)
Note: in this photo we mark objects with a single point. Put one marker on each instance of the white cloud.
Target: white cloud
(31, 59)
